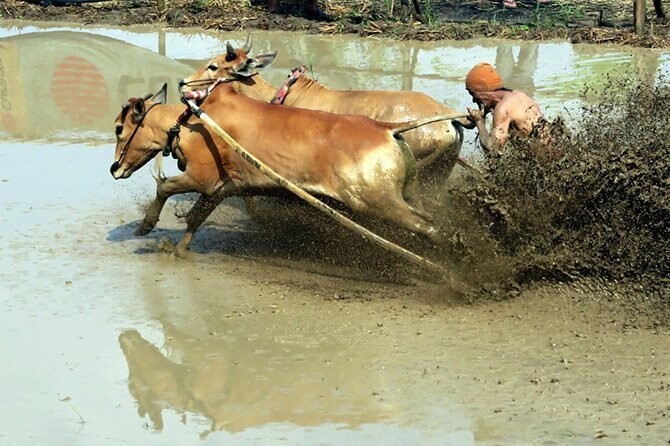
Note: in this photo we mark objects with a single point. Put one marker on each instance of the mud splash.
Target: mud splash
(600, 209)
(291, 334)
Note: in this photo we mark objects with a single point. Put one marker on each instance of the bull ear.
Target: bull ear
(247, 68)
(161, 96)
(247, 45)
(265, 60)
(138, 109)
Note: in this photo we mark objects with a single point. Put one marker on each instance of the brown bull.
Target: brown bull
(441, 140)
(353, 159)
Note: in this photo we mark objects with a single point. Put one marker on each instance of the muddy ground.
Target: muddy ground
(594, 21)
(554, 330)
(599, 211)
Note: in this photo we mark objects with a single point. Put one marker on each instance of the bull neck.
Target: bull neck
(256, 87)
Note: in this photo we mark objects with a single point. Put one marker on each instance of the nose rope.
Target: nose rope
(198, 95)
(132, 135)
(198, 82)
(219, 80)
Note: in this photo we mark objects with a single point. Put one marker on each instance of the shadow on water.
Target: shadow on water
(283, 233)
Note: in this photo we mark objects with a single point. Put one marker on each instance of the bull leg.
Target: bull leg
(199, 213)
(399, 212)
(406, 217)
(431, 158)
(421, 213)
(411, 195)
(165, 188)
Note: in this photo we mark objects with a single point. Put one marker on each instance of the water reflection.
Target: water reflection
(592, 66)
(239, 383)
(64, 85)
(79, 79)
(517, 75)
(241, 367)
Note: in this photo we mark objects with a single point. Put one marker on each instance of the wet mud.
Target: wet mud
(554, 329)
(594, 202)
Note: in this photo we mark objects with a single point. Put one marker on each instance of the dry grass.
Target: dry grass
(592, 21)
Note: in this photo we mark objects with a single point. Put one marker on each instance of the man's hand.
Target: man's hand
(476, 115)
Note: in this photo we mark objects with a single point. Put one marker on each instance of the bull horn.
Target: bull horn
(247, 45)
(230, 51)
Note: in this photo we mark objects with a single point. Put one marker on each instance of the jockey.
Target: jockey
(512, 111)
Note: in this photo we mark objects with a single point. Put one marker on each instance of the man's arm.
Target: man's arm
(493, 141)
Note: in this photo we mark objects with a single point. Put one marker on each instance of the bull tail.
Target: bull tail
(158, 173)
(398, 128)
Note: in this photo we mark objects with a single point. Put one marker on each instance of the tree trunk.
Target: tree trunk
(658, 6)
(639, 7)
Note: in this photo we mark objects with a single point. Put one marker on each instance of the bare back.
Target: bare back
(516, 112)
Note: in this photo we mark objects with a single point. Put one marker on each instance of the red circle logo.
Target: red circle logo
(79, 90)
(8, 122)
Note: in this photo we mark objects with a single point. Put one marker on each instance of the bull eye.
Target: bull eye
(212, 67)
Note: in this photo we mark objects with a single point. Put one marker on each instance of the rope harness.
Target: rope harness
(280, 97)
(173, 133)
(132, 135)
(198, 96)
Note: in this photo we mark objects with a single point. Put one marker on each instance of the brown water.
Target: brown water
(108, 339)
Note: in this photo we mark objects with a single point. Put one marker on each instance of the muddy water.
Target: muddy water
(108, 338)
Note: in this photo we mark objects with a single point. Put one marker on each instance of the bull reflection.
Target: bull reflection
(242, 383)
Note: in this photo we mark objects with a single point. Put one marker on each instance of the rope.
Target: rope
(311, 200)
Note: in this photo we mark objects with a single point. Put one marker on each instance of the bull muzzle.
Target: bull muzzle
(115, 166)
(116, 171)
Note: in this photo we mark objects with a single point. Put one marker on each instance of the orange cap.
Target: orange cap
(483, 77)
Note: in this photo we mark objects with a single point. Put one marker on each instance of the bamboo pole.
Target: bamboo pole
(313, 201)
(469, 166)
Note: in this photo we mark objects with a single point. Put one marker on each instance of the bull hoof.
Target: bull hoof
(144, 228)
(181, 252)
